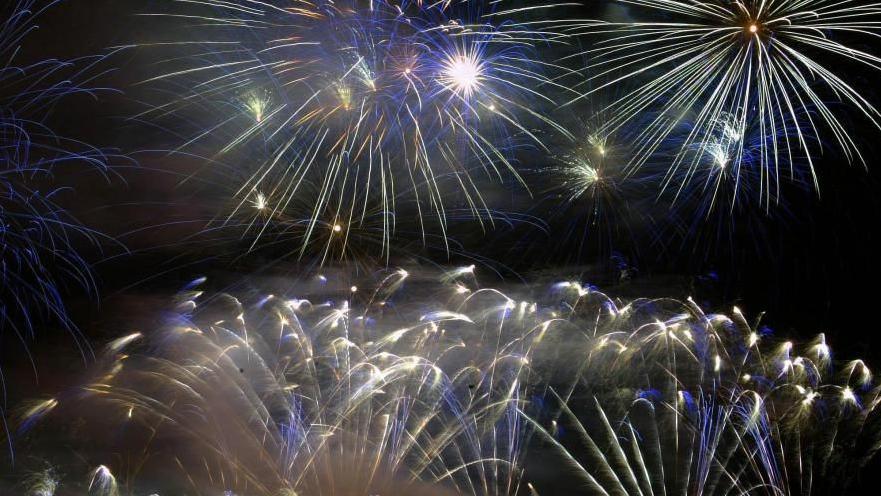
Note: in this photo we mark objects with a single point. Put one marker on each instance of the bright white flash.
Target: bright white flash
(462, 73)
(260, 202)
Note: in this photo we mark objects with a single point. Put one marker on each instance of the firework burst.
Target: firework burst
(732, 65)
(39, 239)
(409, 106)
(450, 387)
(590, 193)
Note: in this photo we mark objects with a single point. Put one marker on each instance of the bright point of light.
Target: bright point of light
(732, 133)
(719, 154)
(787, 365)
(822, 348)
(337, 228)
(809, 398)
(256, 105)
(464, 270)
(753, 28)
(587, 174)
(463, 74)
(260, 202)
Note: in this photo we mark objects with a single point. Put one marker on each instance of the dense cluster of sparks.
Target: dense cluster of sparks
(734, 68)
(410, 106)
(598, 195)
(407, 109)
(448, 388)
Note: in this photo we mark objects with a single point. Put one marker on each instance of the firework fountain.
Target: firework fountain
(431, 384)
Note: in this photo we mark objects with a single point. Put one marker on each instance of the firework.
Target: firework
(726, 195)
(732, 66)
(717, 202)
(692, 447)
(42, 483)
(350, 105)
(103, 483)
(684, 402)
(39, 239)
(590, 195)
(354, 387)
(325, 401)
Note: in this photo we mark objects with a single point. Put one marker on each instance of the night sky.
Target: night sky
(812, 265)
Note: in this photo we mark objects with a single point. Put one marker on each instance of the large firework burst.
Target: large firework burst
(409, 105)
(410, 385)
(774, 66)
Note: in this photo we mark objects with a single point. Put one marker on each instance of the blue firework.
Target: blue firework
(722, 192)
(412, 106)
(40, 241)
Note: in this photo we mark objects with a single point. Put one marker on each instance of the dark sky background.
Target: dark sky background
(817, 269)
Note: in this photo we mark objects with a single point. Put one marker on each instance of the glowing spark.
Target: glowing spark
(344, 93)
(808, 399)
(260, 202)
(753, 339)
(120, 343)
(256, 104)
(463, 74)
